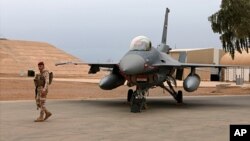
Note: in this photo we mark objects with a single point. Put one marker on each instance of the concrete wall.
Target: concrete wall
(240, 59)
(204, 56)
(230, 74)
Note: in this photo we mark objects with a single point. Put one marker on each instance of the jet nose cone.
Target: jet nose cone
(132, 64)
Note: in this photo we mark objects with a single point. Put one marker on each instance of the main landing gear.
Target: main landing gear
(178, 96)
(137, 100)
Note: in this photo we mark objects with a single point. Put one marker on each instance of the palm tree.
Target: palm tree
(232, 22)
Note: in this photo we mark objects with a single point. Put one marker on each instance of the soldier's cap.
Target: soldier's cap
(40, 63)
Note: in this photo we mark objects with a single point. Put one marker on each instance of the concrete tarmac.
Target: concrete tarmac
(205, 118)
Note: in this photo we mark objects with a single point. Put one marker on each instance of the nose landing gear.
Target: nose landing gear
(130, 93)
(137, 100)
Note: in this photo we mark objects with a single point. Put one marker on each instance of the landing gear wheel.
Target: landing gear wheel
(136, 105)
(144, 104)
(137, 102)
(179, 97)
(129, 96)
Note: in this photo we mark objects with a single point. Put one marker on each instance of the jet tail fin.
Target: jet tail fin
(163, 47)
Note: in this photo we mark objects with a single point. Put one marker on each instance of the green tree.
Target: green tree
(232, 22)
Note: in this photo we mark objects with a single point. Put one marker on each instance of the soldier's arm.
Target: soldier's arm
(46, 76)
(35, 80)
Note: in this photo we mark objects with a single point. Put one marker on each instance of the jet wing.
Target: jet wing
(186, 65)
(67, 63)
(180, 66)
(94, 67)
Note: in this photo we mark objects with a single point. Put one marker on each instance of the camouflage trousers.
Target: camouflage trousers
(41, 99)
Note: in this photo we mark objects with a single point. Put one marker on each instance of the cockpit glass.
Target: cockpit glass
(140, 43)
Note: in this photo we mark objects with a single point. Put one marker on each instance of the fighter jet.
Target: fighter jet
(146, 67)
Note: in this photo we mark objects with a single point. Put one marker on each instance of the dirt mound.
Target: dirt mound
(17, 57)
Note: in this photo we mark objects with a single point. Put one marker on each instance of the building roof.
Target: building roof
(239, 59)
(189, 49)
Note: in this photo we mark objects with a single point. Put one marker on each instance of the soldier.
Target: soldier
(42, 83)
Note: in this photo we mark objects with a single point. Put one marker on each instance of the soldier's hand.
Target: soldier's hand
(43, 92)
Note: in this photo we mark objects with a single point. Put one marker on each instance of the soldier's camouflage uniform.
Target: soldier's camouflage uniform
(42, 81)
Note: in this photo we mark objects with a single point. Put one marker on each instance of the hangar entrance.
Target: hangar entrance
(214, 77)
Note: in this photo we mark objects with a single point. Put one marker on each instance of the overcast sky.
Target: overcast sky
(102, 29)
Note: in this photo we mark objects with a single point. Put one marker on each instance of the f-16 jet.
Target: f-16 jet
(146, 67)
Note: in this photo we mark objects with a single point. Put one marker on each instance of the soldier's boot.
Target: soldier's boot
(47, 114)
(40, 118)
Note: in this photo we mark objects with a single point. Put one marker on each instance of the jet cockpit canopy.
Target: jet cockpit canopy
(141, 43)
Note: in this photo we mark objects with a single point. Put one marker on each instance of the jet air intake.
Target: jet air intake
(191, 83)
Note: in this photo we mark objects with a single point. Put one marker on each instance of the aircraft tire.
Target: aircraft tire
(129, 96)
(136, 105)
(179, 97)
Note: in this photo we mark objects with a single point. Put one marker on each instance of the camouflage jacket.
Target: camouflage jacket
(42, 79)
